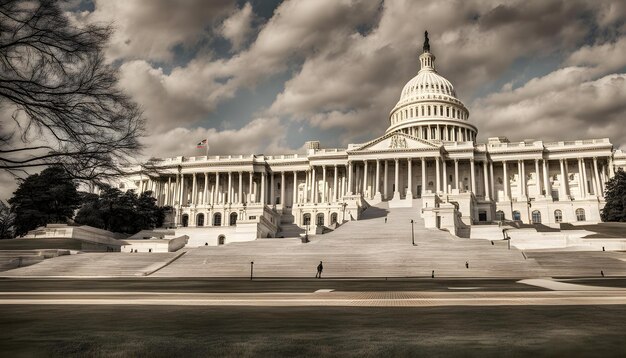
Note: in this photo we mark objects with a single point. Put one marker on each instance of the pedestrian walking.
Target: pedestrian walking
(602, 273)
(466, 264)
(385, 219)
(432, 275)
(320, 268)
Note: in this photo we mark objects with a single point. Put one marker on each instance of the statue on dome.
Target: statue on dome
(426, 44)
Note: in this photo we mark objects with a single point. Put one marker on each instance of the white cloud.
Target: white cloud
(238, 27)
(260, 136)
(149, 29)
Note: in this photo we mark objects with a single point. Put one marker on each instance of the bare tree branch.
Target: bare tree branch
(63, 97)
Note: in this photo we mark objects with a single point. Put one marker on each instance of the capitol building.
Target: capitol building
(427, 159)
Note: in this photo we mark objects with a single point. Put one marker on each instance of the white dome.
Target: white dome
(427, 82)
(428, 107)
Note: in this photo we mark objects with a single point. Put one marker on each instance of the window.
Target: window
(500, 215)
(422, 111)
(517, 216)
(185, 220)
(580, 214)
(200, 220)
(319, 219)
(217, 219)
(558, 216)
(233, 219)
(536, 217)
(306, 219)
(221, 240)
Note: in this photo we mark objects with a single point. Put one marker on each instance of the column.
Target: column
(377, 181)
(456, 174)
(492, 181)
(230, 188)
(597, 176)
(409, 181)
(313, 186)
(538, 179)
(546, 179)
(324, 197)
(177, 190)
(505, 181)
(582, 178)
(182, 189)
(438, 175)
(349, 177)
(250, 198)
(385, 176)
(563, 182)
(335, 191)
(524, 186)
(167, 192)
(217, 189)
(486, 179)
(307, 186)
(206, 188)
(240, 191)
(473, 176)
(364, 177)
(263, 190)
(396, 180)
(520, 191)
(193, 189)
(445, 176)
(611, 167)
(282, 189)
(295, 189)
(272, 189)
(423, 176)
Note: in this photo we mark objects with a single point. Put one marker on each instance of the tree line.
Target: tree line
(52, 196)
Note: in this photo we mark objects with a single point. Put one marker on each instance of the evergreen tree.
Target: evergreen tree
(119, 211)
(47, 197)
(615, 196)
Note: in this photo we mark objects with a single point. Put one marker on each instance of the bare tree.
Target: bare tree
(61, 95)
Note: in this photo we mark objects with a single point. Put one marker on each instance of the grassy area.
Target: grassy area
(35, 244)
(166, 331)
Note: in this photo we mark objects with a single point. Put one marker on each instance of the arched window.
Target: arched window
(500, 215)
(333, 218)
(319, 219)
(429, 110)
(306, 219)
(233, 219)
(422, 111)
(580, 214)
(200, 220)
(517, 216)
(221, 240)
(536, 216)
(217, 219)
(185, 220)
(558, 216)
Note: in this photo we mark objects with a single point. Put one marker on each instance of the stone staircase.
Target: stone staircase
(365, 248)
(11, 259)
(111, 264)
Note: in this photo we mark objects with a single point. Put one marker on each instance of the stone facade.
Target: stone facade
(428, 158)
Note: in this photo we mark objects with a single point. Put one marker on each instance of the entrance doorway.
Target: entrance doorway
(482, 215)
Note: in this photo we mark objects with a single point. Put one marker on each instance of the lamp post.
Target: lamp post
(251, 269)
(412, 233)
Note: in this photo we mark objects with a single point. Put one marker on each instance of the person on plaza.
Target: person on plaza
(320, 268)
(466, 264)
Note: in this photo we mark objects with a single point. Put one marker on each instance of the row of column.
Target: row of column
(171, 192)
(441, 132)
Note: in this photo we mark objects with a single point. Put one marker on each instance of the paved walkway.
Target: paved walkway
(324, 297)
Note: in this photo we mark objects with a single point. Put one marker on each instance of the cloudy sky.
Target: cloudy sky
(265, 76)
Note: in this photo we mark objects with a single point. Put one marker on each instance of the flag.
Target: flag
(202, 144)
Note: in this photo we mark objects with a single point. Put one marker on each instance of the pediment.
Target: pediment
(396, 141)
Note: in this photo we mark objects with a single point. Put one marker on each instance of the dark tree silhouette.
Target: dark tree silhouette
(47, 197)
(61, 96)
(615, 196)
(118, 211)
